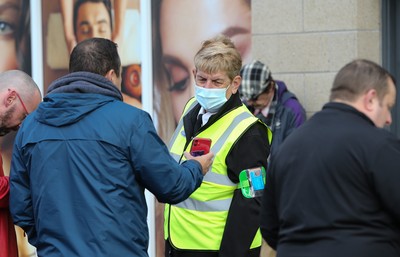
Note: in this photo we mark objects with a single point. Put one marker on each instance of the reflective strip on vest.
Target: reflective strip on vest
(198, 222)
(190, 105)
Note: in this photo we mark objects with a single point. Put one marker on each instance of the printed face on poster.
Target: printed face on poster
(68, 22)
(118, 20)
(15, 38)
(15, 45)
(179, 28)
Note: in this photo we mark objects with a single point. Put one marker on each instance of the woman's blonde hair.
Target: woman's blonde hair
(218, 54)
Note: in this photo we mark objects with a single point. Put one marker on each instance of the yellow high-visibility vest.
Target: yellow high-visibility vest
(198, 222)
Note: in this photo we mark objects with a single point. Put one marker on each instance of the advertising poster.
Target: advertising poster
(67, 22)
(64, 23)
(179, 28)
(15, 53)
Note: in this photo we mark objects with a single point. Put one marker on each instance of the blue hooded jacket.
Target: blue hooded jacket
(80, 165)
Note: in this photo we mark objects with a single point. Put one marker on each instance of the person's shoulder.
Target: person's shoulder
(377, 141)
(129, 111)
(380, 134)
(285, 96)
(257, 129)
(289, 101)
(359, 127)
(256, 135)
(126, 107)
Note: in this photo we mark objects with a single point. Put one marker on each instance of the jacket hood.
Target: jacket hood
(281, 88)
(72, 97)
(84, 82)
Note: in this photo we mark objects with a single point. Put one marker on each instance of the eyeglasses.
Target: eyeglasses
(22, 102)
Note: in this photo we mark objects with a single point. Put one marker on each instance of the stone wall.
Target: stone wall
(305, 42)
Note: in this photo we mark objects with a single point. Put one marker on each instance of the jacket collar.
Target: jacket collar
(347, 108)
(190, 118)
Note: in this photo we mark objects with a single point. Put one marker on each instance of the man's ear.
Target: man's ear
(9, 98)
(110, 75)
(236, 83)
(369, 100)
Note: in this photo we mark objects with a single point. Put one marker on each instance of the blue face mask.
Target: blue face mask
(211, 99)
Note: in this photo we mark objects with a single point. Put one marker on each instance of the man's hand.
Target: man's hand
(205, 160)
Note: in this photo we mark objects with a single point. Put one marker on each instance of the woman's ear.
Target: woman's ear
(236, 83)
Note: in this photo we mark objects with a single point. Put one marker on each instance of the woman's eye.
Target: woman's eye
(179, 86)
(178, 77)
(6, 29)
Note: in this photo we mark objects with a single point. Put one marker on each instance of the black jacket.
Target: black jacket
(333, 188)
(251, 150)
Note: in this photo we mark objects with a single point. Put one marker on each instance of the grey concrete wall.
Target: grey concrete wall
(305, 42)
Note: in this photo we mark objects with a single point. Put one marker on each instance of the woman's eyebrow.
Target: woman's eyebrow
(9, 5)
(172, 60)
(232, 31)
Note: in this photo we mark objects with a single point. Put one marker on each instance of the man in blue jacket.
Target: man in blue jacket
(81, 163)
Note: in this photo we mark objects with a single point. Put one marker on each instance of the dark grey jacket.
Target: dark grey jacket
(333, 189)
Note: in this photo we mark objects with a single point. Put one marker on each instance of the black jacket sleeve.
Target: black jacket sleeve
(269, 222)
(251, 151)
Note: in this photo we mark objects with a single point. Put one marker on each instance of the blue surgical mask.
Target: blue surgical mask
(211, 99)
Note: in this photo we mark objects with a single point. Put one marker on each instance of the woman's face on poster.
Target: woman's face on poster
(184, 25)
(9, 23)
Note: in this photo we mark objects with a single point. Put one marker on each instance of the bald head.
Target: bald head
(24, 85)
(19, 96)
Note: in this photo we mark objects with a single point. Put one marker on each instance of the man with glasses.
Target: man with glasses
(221, 218)
(16, 86)
(19, 96)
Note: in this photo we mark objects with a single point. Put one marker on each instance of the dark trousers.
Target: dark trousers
(172, 252)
